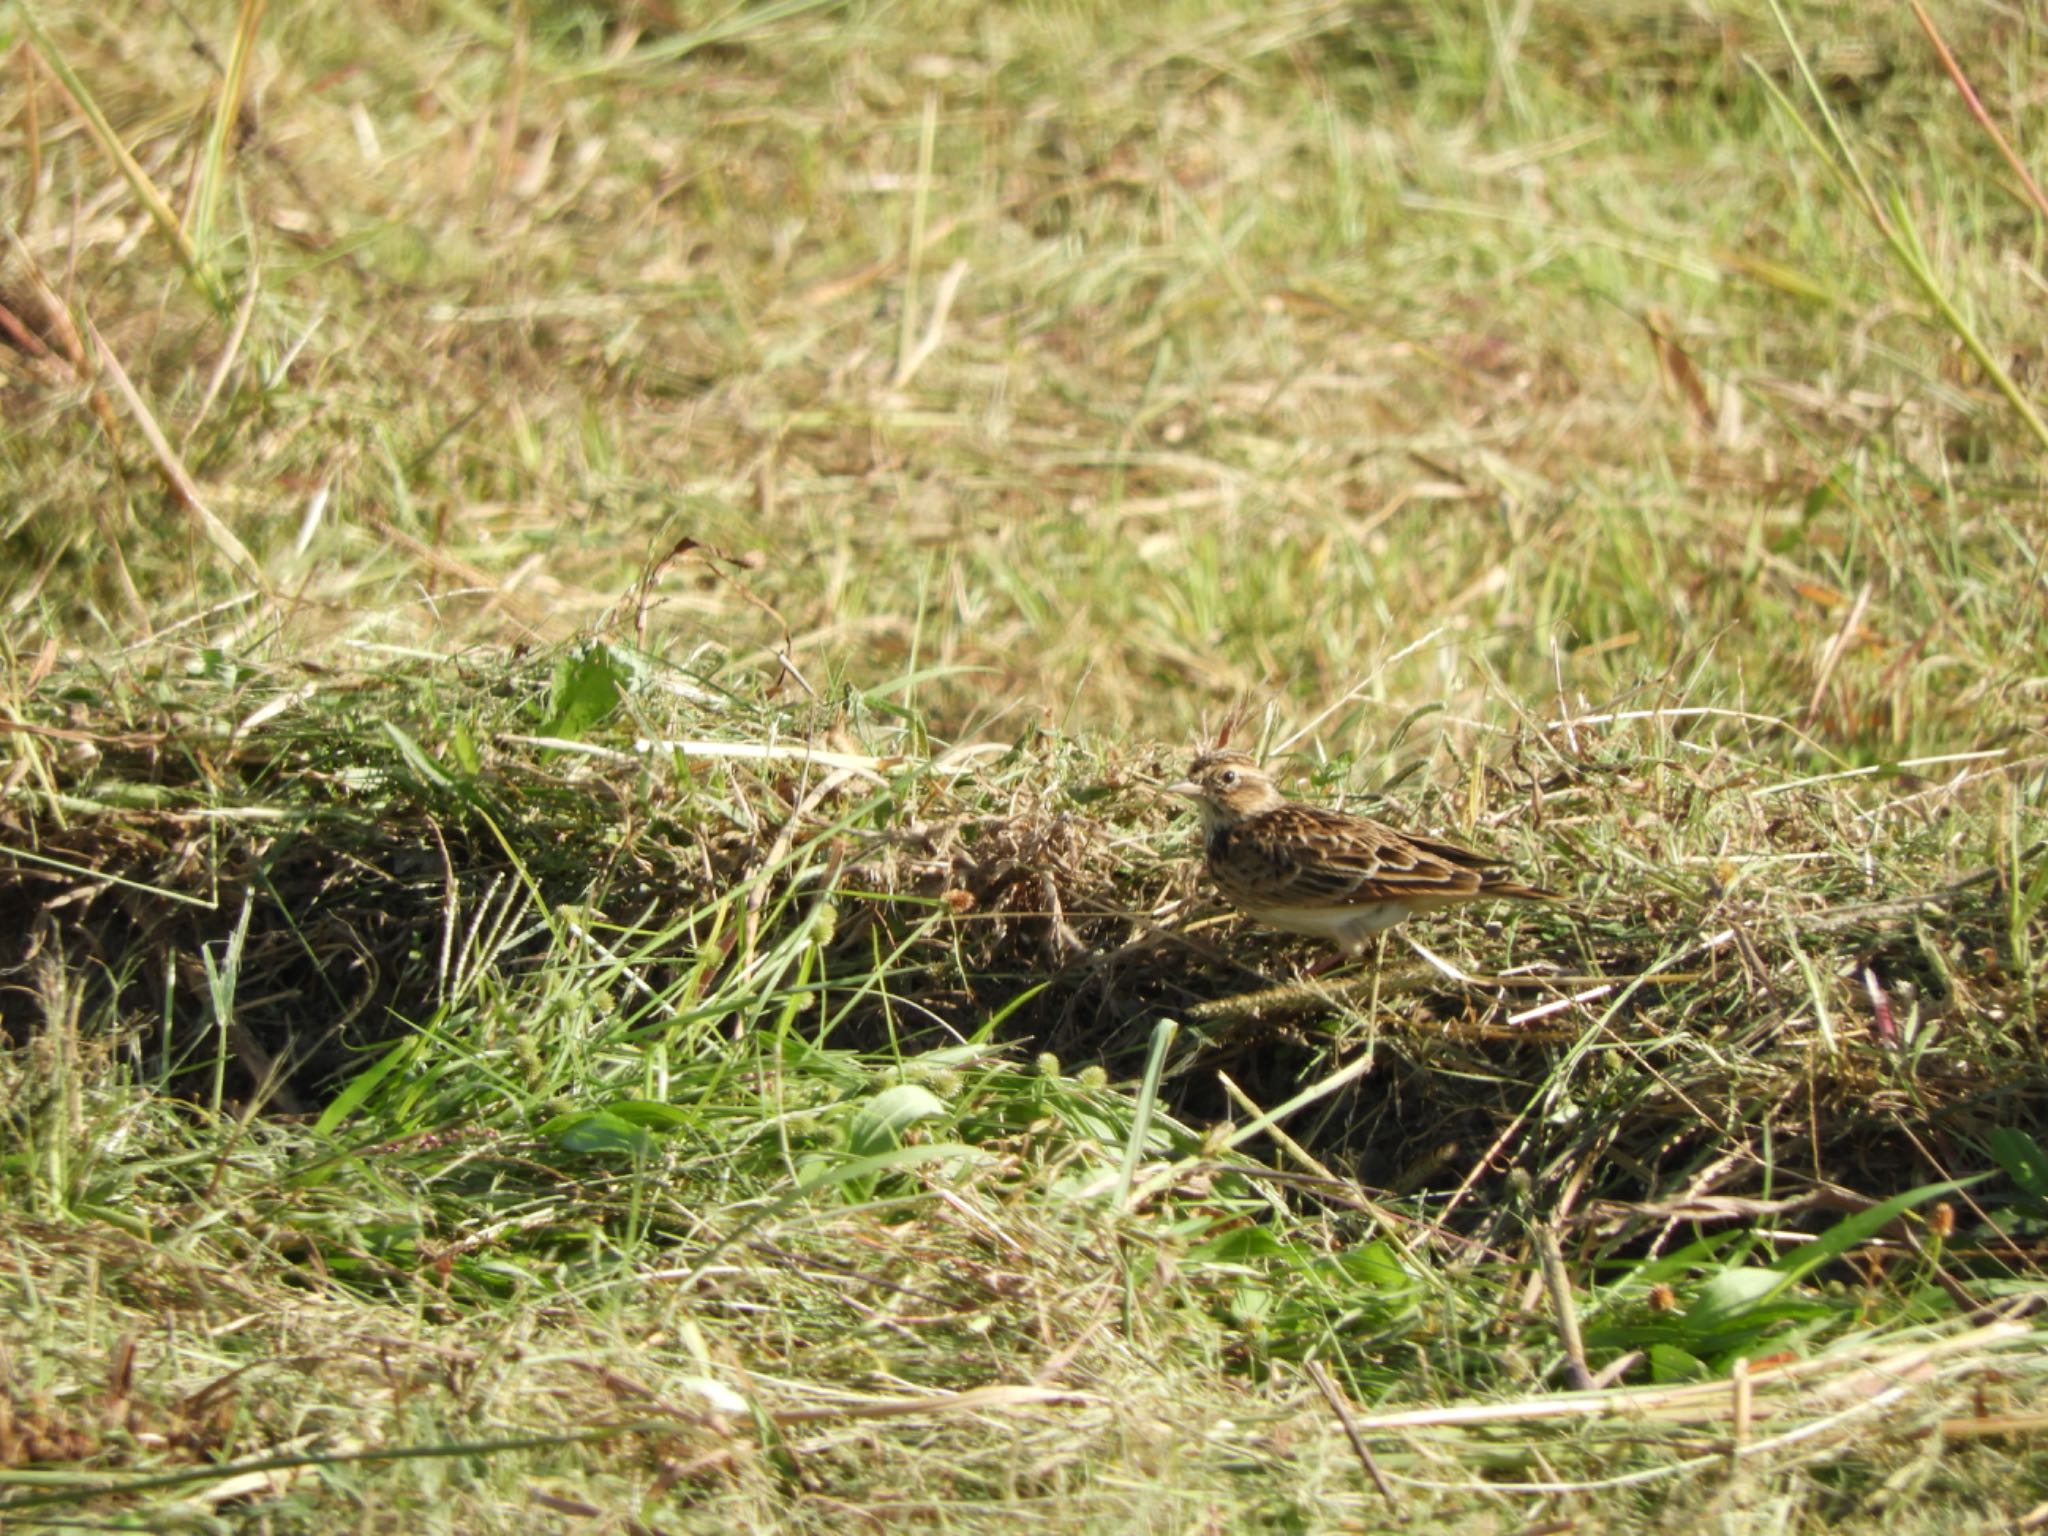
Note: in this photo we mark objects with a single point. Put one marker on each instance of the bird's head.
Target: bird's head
(1227, 787)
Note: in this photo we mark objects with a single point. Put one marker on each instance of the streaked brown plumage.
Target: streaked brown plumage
(1305, 869)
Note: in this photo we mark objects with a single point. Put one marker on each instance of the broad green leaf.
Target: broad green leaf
(597, 1131)
(2025, 1164)
(1669, 1363)
(1251, 1303)
(1378, 1263)
(587, 689)
(654, 1114)
(1730, 1294)
(880, 1123)
(819, 1174)
(1240, 1245)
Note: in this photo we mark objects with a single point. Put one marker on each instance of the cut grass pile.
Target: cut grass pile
(593, 601)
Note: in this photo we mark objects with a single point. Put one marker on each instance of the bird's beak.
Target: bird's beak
(1187, 789)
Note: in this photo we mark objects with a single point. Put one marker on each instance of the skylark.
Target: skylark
(1304, 869)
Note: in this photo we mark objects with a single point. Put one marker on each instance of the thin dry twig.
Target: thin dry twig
(1837, 649)
(1558, 1282)
(723, 566)
(63, 332)
(779, 850)
(1970, 99)
(1841, 1378)
(184, 490)
(539, 624)
(1342, 1409)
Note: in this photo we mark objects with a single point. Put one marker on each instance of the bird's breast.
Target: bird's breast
(1218, 846)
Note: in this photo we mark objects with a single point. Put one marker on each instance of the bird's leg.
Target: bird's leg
(1328, 963)
(1350, 950)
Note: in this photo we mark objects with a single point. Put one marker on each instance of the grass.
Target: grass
(591, 600)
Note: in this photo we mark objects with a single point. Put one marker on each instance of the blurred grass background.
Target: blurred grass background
(1139, 361)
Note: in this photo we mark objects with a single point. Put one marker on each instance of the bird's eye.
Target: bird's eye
(1227, 777)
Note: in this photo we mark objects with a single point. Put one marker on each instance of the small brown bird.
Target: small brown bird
(1305, 869)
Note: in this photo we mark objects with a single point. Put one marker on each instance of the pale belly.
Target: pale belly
(1346, 926)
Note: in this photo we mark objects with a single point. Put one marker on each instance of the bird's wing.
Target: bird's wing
(1304, 856)
(1495, 877)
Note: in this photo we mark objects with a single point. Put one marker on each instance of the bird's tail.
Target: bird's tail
(1517, 891)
